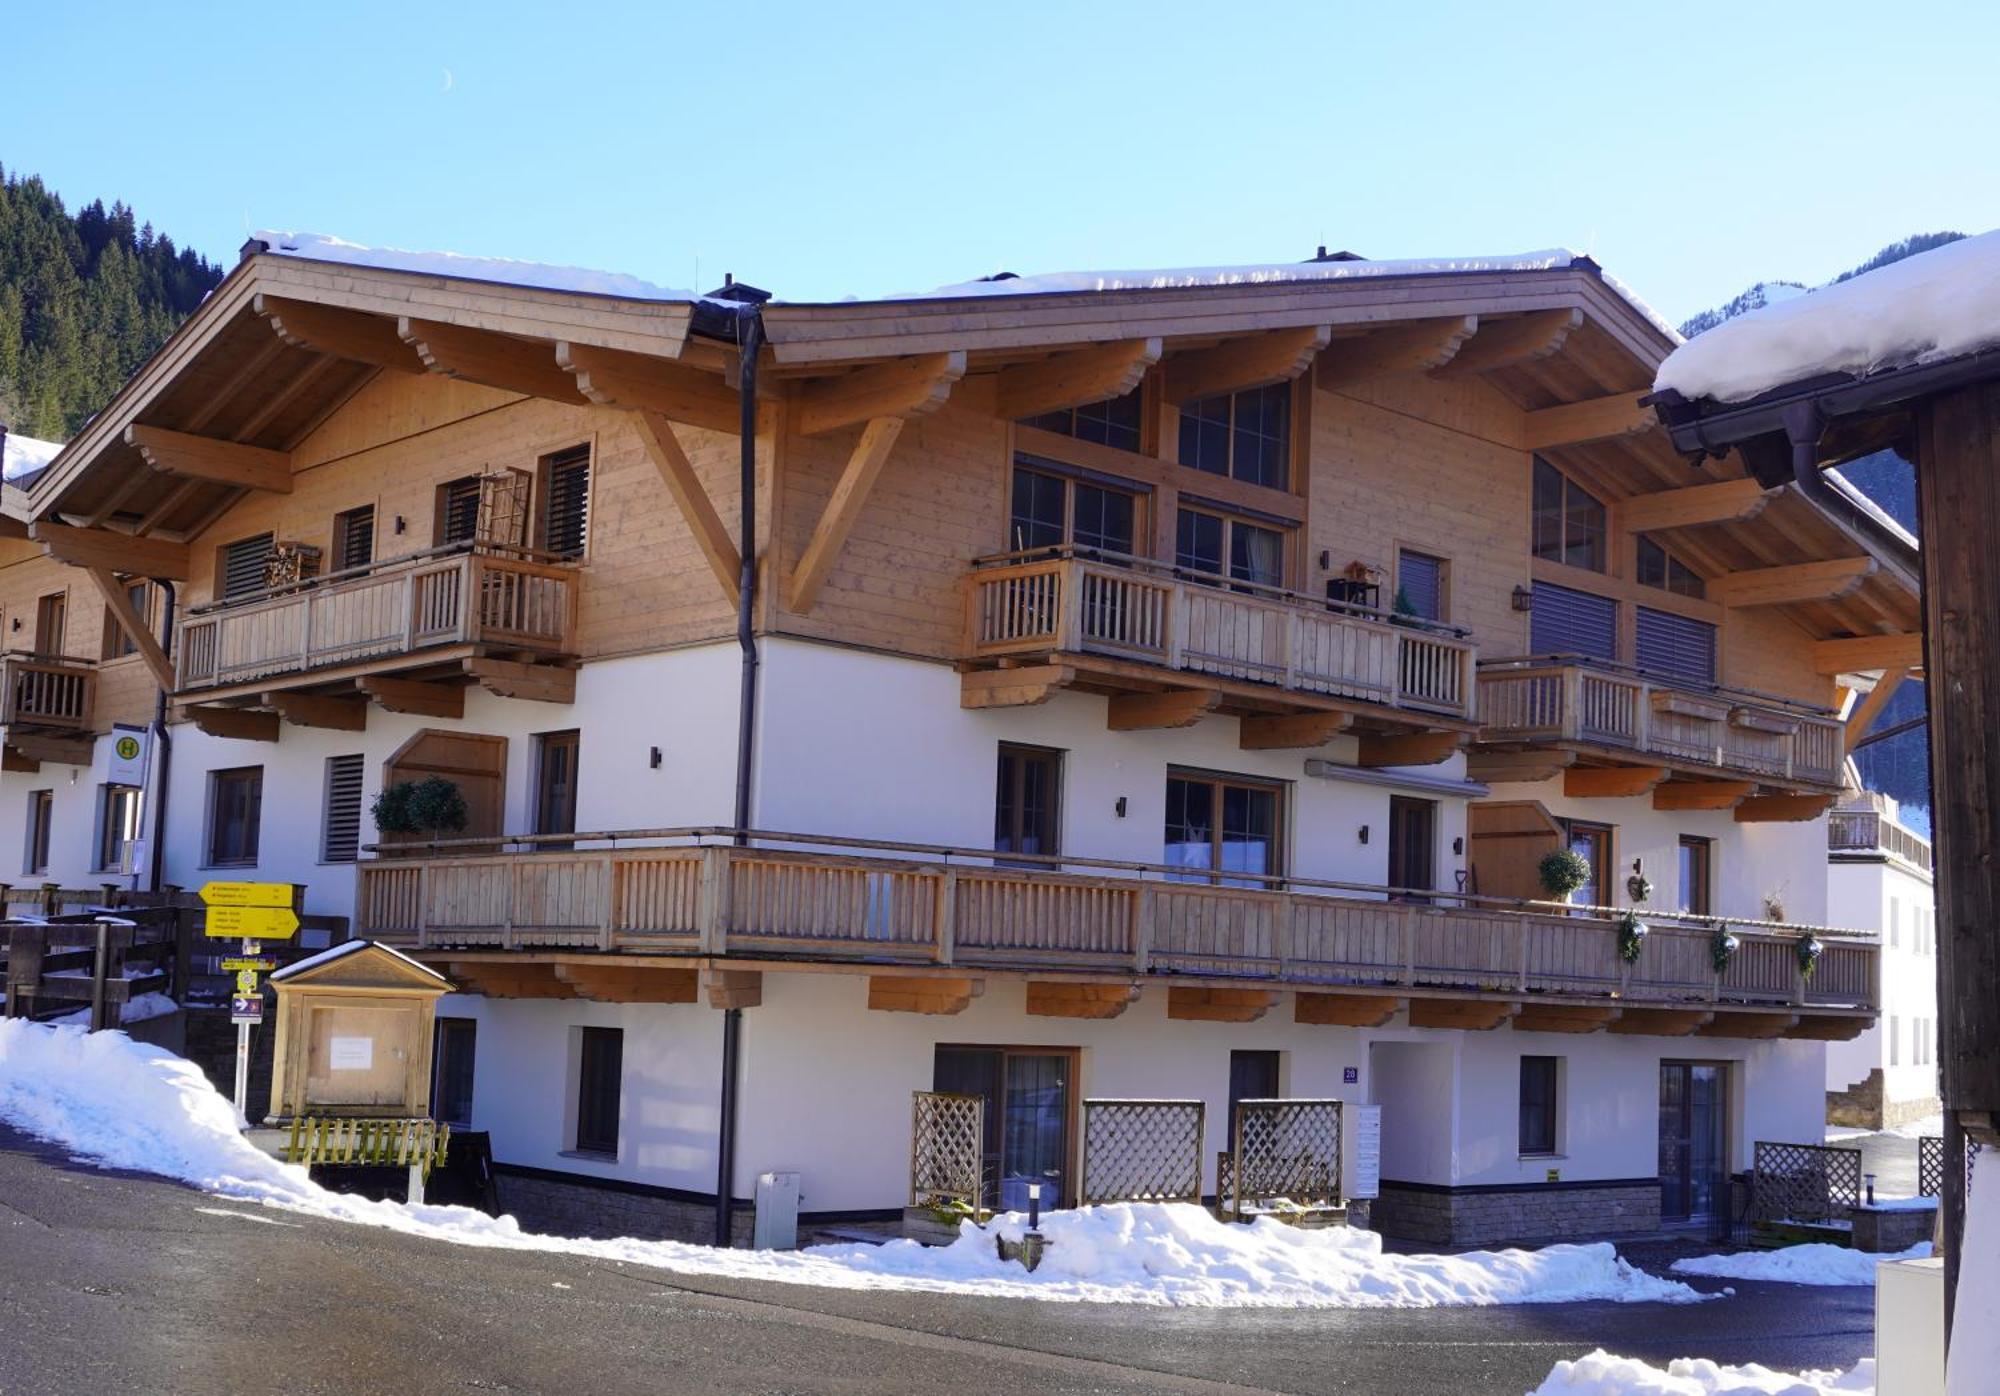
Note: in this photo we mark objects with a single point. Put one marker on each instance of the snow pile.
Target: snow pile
(128, 1105)
(1934, 305)
(26, 455)
(1601, 1374)
(320, 247)
(137, 1010)
(1813, 1264)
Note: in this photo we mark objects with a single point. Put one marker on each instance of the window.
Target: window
(116, 643)
(565, 516)
(1540, 1083)
(1225, 546)
(1895, 1040)
(1676, 646)
(117, 826)
(1593, 843)
(1027, 801)
(239, 566)
(1221, 825)
(1565, 621)
(1420, 584)
(1245, 435)
(235, 808)
(41, 817)
(51, 612)
(1412, 843)
(599, 1078)
(340, 821)
(1660, 568)
(1253, 1075)
(451, 1070)
(1117, 423)
(1697, 867)
(1569, 524)
(1050, 510)
(1027, 1118)
(458, 511)
(354, 537)
(555, 782)
(1895, 922)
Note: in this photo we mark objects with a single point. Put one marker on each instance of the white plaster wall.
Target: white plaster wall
(1416, 1084)
(73, 831)
(1879, 896)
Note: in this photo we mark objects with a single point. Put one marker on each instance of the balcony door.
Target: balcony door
(1694, 1140)
(1218, 825)
(1413, 844)
(50, 614)
(1029, 1095)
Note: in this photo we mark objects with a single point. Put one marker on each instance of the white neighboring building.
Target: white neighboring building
(1879, 875)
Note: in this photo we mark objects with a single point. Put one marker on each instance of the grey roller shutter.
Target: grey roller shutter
(243, 565)
(1676, 646)
(340, 840)
(1573, 622)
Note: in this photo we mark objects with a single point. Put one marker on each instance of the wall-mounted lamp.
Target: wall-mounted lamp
(1119, 808)
(1325, 560)
(1364, 833)
(1458, 846)
(654, 759)
(400, 525)
(1524, 599)
(17, 625)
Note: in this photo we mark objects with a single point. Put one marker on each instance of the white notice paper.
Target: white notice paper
(352, 1054)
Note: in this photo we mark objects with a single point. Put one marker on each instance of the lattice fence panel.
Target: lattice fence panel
(1930, 1166)
(1287, 1149)
(1142, 1151)
(1804, 1182)
(947, 1143)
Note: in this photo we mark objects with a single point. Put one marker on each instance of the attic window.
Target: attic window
(1660, 568)
(1569, 520)
(1246, 436)
(1116, 423)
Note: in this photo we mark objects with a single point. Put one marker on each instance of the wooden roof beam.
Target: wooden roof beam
(1255, 361)
(843, 508)
(1871, 705)
(493, 360)
(1701, 794)
(1414, 749)
(1868, 653)
(188, 457)
(1611, 782)
(1784, 586)
(1415, 348)
(119, 604)
(1594, 419)
(115, 552)
(1511, 343)
(911, 387)
(1097, 374)
(645, 383)
(678, 474)
(1725, 501)
(1142, 712)
(1291, 731)
(346, 334)
(1783, 809)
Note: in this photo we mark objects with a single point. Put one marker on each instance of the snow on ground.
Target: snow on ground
(1601, 1374)
(138, 1010)
(123, 1104)
(1813, 1264)
(25, 455)
(1930, 1126)
(1932, 306)
(321, 247)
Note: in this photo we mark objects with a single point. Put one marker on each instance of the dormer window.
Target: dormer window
(1569, 521)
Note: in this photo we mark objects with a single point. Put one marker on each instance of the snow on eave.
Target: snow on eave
(500, 271)
(349, 947)
(1854, 495)
(27, 457)
(1937, 305)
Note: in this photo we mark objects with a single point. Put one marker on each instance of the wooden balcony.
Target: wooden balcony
(46, 708)
(1872, 831)
(1119, 619)
(929, 909)
(1644, 720)
(425, 608)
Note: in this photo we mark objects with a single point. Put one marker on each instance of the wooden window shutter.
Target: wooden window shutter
(354, 538)
(503, 508)
(340, 838)
(242, 566)
(566, 502)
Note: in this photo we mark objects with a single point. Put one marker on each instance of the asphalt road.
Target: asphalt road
(121, 1283)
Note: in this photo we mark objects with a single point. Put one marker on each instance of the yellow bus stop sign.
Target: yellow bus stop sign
(247, 894)
(253, 922)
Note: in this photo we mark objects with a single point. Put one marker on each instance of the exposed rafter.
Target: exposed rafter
(1256, 361)
(115, 552)
(346, 334)
(1784, 586)
(414, 696)
(1292, 731)
(1096, 374)
(843, 509)
(494, 360)
(1610, 782)
(1871, 705)
(1725, 501)
(119, 604)
(1594, 419)
(908, 387)
(1867, 653)
(677, 472)
(1177, 707)
(1701, 794)
(317, 710)
(276, 402)
(1189, 1004)
(1346, 1010)
(238, 724)
(1416, 348)
(1013, 688)
(646, 383)
(1415, 749)
(1510, 343)
(205, 458)
(1783, 809)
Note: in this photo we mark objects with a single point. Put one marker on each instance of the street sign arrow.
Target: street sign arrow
(253, 922)
(247, 894)
(261, 963)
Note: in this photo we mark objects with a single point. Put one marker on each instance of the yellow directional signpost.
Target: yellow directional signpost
(251, 912)
(253, 922)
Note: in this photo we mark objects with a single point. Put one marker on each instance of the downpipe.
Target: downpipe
(163, 742)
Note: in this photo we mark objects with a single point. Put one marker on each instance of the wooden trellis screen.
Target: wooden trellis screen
(1930, 1165)
(1142, 1151)
(1287, 1149)
(1805, 1182)
(947, 1143)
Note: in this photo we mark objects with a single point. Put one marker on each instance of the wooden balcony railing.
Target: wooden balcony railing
(45, 691)
(1563, 699)
(1867, 830)
(671, 891)
(1061, 601)
(433, 599)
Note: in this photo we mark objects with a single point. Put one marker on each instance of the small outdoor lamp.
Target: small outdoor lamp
(1868, 1187)
(1035, 1204)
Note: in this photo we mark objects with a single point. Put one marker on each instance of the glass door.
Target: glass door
(1027, 1094)
(1694, 1147)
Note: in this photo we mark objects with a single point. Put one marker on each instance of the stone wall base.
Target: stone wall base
(1537, 1213)
(575, 1207)
(1864, 1105)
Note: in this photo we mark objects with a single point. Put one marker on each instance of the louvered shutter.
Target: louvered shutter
(566, 503)
(354, 538)
(340, 838)
(1573, 622)
(1676, 646)
(461, 510)
(243, 565)
(1420, 579)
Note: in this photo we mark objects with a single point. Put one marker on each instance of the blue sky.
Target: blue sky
(828, 149)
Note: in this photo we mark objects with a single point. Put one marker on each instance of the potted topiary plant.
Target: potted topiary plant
(428, 807)
(1562, 872)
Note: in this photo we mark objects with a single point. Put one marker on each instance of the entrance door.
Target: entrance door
(1413, 844)
(1027, 1095)
(1694, 1151)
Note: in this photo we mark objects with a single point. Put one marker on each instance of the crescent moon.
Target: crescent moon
(447, 79)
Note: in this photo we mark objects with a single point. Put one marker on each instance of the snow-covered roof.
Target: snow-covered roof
(26, 456)
(349, 947)
(1935, 305)
(322, 247)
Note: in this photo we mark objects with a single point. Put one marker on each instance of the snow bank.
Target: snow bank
(321, 247)
(1601, 1374)
(1934, 305)
(138, 1010)
(1813, 1264)
(128, 1105)
(25, 455)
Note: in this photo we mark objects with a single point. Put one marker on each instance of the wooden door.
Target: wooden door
(476, 762)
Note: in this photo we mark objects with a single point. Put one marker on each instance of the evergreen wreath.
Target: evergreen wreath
(1809, 950)
(1722, 948)
(1631, 936)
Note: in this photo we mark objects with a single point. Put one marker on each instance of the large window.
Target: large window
(1218, 825)
(1660, 568)
(239, 566)
(599, 1083)
(235, 810)
(1245, 435)
(1420, 582)
(340, 820)
(1591, 842)
(1027, 1091)
(117, 643)
(1027, 800)
(1677, 646)
(1697, 874)
(1052, 508)
(1566, 621)
(41, 820)
(1225, 546)
(452, 1056)
(555, 781)
(565, 514)
(1541, 1083)
(117, 826)
(1117, 422)
(354, 537)
(1569, 520)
